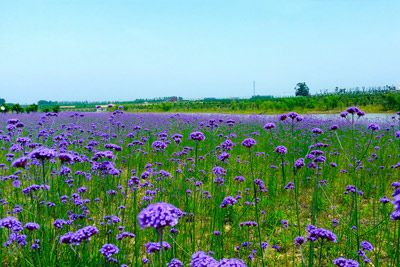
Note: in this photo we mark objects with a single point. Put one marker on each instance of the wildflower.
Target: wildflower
(159, 215)
(108, 250)
(343, 262)
(281, 150)
(197, 136)
(228, 201)
(249, 142)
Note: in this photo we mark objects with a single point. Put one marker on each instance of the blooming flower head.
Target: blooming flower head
(152, 247)
(373, 127)
(108, 250)
(11, 223)
(228, 201)
(159, 145)
(201, 259)
(31, 226)
(365, 245)
(281, 150)
(299, 163)
(175, 263)
(352, 110)
(317, 131)
(299, 240)
(197, 136)
(315, 233)
(230, 263)
(343, 262)
(159, 215)
(20, 162)
(269, 126)
(249, 142)
(43, 153)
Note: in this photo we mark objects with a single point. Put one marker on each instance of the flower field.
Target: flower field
(119, 189)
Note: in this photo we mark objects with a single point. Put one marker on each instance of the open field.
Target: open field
(91, 189)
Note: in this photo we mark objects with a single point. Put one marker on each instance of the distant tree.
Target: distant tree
(2, 101)
(55, 109)
(302, 89)
(17, 108)
(32, 108)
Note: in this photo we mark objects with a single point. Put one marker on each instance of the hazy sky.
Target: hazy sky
(122, 50)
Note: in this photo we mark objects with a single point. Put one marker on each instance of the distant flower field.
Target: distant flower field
(116, 189)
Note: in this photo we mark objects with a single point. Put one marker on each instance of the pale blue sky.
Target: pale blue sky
(122, 50)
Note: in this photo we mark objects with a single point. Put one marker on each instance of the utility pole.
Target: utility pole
(254, 88)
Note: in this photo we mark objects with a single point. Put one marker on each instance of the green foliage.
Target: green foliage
(32, 108)
(17, 108)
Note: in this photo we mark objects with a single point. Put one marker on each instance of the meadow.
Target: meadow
(125, 189)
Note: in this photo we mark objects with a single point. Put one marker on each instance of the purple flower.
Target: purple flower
(228, 201)
(43, 153)
(317, 131)
(223, 156)
(366, 246)
(125, 235)
(352, 110)
(289, 186)
(230, 263)
(159, 145)
(342, 262)
(384, 200)
(108, 250)
(281, 150)
(249, 142)
(269, 126)
(31, 226)
(299, 240)
(175, 263)
(11, 223)
(80, 235)
(159, 215)
(152, 247)
(201, 259)
(66, 157)
(334, 127)
(373, 127)
(248, 224)
(315, 233)
(197, 136)
(299, 163)
(20, 162)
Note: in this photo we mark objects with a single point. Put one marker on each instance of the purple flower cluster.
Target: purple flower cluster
(153, 247)
(228, 201)
(108, 250)
(43, 153)
(343, 262)
(159, 215)
(197, 136)
(281, 150)
(77, 237)
(249, 142)
(315, 233)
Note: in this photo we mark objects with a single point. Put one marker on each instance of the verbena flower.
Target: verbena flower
(108, 250)
(201, 259)
(343, 262)
(228, 201)
(249, 142)
(159, 215)
(197, 136)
